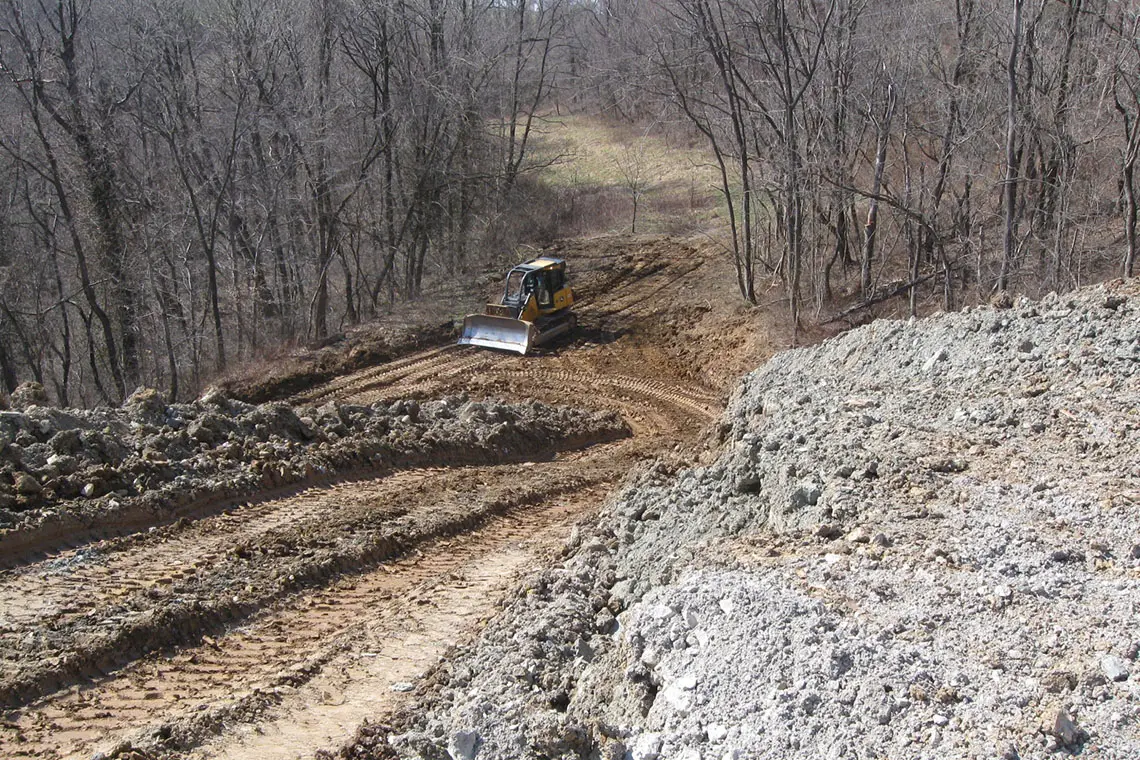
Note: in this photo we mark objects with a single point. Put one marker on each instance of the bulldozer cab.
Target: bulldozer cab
(543, 282)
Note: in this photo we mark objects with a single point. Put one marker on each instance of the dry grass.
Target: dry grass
(594, 164)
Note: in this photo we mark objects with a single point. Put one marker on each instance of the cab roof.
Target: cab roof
(540, 263)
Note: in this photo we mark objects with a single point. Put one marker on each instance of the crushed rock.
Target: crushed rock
(918, 540)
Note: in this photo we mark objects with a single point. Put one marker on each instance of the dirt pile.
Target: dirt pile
(63, 472)
(919, 539)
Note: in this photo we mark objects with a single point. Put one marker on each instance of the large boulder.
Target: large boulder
(279, 419)
(210, 428)
(146, 405)
(28, 394)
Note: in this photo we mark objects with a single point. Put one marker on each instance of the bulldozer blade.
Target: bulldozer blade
(497, 332)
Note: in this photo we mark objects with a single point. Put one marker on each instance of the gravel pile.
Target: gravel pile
(919, 539)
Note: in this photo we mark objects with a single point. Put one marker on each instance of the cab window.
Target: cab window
(515, 285)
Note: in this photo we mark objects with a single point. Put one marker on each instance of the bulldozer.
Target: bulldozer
(535, 309)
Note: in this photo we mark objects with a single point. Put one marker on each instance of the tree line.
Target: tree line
(190, 182)
(982, 145)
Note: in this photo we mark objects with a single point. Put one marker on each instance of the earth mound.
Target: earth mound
(68, 472)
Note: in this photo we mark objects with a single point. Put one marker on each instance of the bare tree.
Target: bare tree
(883, 135)
(184, 189)
(634, 171)
(1126, 99)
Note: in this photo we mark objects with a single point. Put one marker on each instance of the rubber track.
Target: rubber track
(416, 364)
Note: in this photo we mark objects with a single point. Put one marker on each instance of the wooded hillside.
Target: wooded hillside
(190, 182)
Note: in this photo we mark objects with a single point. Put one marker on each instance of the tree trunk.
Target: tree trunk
(1012, 160)
(1129, 218)
(872, 225)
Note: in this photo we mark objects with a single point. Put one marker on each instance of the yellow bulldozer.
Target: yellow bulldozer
(535, 309)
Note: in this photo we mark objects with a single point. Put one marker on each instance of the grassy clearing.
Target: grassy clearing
(602, 166)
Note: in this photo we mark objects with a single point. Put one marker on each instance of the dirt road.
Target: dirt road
(275, 628)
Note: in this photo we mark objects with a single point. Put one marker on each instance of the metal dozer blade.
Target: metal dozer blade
(497, 332)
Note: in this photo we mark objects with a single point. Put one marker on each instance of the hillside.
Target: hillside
(257, 502)
(918, 538)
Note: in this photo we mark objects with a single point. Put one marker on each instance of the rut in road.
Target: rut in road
(338, 529)
(402, 642)
(654, 405)
(401, 371)
(74, 583)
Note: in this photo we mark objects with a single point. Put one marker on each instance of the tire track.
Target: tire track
(75, 583)
(548, 376)
(418, 364)
(639, 301)
(700, 404)
(364, 523)
(279, 648)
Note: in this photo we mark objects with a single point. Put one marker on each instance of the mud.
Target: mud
(150, 463)
(339, 355)
(310, 603)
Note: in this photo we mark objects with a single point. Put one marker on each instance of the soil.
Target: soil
(338, 355)
(230, 579)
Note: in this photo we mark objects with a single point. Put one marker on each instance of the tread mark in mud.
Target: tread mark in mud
(270, 651)
(399, 369)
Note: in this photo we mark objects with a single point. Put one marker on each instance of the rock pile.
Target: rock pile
(86, 467)
(920, 539)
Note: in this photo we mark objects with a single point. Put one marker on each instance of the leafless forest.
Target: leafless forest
(189, 183)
